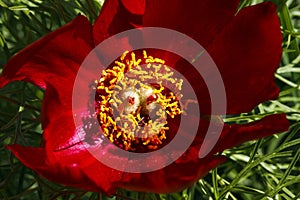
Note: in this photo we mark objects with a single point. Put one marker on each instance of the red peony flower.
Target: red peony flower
(246, 47)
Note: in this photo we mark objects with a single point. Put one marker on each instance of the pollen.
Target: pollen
(134, 106)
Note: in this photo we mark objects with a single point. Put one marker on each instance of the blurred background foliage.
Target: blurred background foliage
(265, 169)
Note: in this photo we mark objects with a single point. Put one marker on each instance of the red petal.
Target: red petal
(173, 178)
(72, 167)
(57, 117)
(234, 135)
(55, 56)
(52, 63)
(247, 54)
(201, 20)
(189, 168)
(117, 16)
(180, 174)
(35, 159)
(136, 7)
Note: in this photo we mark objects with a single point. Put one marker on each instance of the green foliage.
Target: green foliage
(265, 169)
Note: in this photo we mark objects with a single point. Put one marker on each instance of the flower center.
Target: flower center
(134, 105)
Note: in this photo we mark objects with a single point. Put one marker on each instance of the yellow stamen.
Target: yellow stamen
(126, 127)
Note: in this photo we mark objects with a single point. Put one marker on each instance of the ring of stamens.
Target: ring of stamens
(133, 112)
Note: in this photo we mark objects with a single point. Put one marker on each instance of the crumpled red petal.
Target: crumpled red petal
(57, 117)
(247, 53)
(55, 56)
(52, 63)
